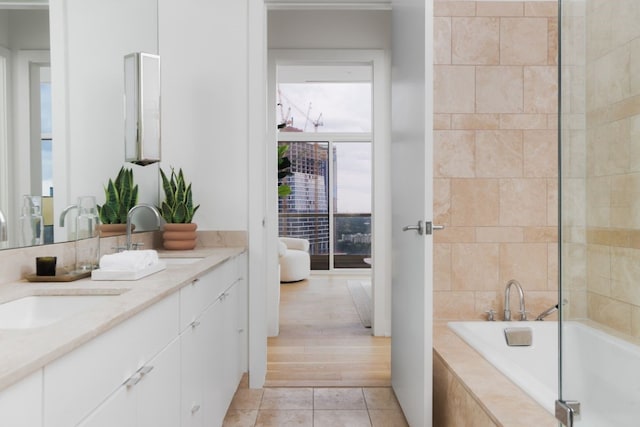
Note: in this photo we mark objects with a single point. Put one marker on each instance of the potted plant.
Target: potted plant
(178, 210)
(120, 196)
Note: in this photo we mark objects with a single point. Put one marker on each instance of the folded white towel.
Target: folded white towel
(129, 260)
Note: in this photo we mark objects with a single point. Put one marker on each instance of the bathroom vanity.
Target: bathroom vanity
(166, 350)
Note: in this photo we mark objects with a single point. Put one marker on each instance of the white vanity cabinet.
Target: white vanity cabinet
(149, 398)
(105, 374)
(21, 404)
(212, 345)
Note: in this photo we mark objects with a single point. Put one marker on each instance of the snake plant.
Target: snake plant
(120, 196)
(177, 207)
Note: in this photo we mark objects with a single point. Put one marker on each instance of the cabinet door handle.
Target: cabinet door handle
(133, 380)
(195, 408)
(145, 369)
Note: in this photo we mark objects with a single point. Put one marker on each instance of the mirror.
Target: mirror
(88, 40)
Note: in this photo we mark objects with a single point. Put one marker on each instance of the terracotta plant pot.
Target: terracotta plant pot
(110, 230)
(179, 237)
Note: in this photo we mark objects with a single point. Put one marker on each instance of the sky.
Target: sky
(345, 107)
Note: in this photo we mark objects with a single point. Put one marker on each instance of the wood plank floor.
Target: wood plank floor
(322, 342)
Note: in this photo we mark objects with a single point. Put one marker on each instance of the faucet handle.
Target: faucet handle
(119, 249)
(523, 315)
(136, 246)
(491, 315)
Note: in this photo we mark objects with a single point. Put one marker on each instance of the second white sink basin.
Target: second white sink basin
(41, 310)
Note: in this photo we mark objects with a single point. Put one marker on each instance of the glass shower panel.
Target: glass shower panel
(600, 210)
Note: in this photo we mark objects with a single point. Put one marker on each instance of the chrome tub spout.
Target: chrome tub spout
(507, 308)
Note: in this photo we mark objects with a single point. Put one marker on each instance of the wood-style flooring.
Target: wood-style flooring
(322, 342)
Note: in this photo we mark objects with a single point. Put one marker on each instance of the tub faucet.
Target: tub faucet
(547, 312)
(507, 291)
(130, 214)
(3, 227)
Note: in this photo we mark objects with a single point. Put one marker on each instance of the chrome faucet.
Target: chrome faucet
(507, 291)
(3, 227)
(130, 214)
(65, 211)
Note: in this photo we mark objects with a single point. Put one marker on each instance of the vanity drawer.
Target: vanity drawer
(78, 382)
(201, 293)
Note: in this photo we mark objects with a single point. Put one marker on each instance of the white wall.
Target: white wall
(28, 29)
(329, 29)
(204, 104)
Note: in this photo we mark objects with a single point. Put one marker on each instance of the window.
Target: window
(327, 128)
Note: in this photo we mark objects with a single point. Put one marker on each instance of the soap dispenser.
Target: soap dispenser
(87, 243)
(31, 223)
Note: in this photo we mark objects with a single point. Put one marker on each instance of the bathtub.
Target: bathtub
(601, 371)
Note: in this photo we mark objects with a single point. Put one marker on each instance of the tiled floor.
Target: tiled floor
(314, 407)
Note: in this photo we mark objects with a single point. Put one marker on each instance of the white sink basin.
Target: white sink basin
(42, 310)
(179, 261)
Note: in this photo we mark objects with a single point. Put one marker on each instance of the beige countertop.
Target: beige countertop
(23, 351)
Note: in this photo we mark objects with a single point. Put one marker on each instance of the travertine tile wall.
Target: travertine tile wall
(613, 163)
(495, 150)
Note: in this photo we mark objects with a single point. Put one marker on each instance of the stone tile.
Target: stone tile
(474, 266)
(499, 234)
(541, 8)
(516, 210)
(442, 40)
(454, 8)
(524, 121)
(540, 148)
(475, 41)
(441, 121)
(387, 418)
(442, 266)
(609, 312)
(454, 154)
(499, 8)
(287, 398)
(247, 398)
(499, 154)
(475, 121)
(453, 305)
(284, 418)
(240, 418)
(498, 89)
(454, 89)
(380, 398)
(338, 398)
(541, 89)
(348, 418)
(475, 202)
(442, 201)
(523, 41)
(525, 262)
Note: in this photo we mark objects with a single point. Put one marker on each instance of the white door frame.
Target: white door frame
(380, 212)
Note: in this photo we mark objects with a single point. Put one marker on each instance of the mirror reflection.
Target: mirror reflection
(62, 136)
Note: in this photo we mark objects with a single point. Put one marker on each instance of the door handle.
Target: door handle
(430, 227)
(419, 227)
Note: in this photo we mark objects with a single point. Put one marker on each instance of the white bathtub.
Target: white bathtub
(602, 372)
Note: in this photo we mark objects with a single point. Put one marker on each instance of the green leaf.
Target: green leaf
(180, 213)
